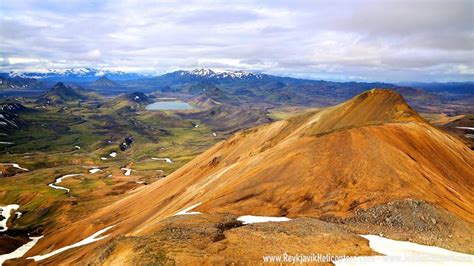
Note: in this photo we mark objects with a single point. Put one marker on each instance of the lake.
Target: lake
(169, 105)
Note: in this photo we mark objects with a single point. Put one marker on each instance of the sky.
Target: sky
(392, 41)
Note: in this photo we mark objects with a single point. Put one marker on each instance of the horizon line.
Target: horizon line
(148, 74)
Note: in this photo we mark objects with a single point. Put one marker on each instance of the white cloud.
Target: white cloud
(372, 40)
(93, 54)
(23, 60)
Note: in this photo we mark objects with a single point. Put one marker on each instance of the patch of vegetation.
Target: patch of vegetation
(46, 146)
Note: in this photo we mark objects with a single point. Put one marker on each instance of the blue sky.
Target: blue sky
(337, 40)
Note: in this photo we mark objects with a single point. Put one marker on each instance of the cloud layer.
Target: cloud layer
(339, 40)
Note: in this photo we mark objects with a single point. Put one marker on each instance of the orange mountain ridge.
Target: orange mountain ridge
(367, 151)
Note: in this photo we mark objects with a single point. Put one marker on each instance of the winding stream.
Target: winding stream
(59, 180)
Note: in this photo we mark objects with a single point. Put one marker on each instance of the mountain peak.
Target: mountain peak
(103, 82)
(203, 72)
(217, 74)
(61, 93)
(104, 77)
(373, 107)
(382, 105)
(381, 94)
(60, 86)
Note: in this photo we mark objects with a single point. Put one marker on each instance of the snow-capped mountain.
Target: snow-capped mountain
(76, 74)
(92, 74)
(214, 74)
(174, 80)
(8, 82)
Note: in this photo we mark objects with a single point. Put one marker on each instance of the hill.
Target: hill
(211, 95)
(372, 155)
(61, 93)
(197, 88)
(129, 100)
(18, 83)
(103, 83)
(13, 107)
(10, 116)
(463, 128)
(136, 97)
(224, 112)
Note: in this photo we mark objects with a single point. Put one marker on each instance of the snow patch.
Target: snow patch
(167, 160)
(128, 171)
(406, 253)
(186, 211)
(6, 212)
(88, 240)
(103, 158)
(77, 147)
(15, 165)
(6, 143)
(251, 219)
(94, 170)
(21, 251)
(113, 154)
(468, 128)
(214, 134)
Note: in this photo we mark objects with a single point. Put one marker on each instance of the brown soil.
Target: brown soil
(366, 152)
(220, 239)
(10, 243)
(412, 220)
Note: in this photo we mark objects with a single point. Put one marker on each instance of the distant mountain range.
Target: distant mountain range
(244, 87)
(8, 82)
(209, 74)
(453, 87)
(74, 75)
(17, 80)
